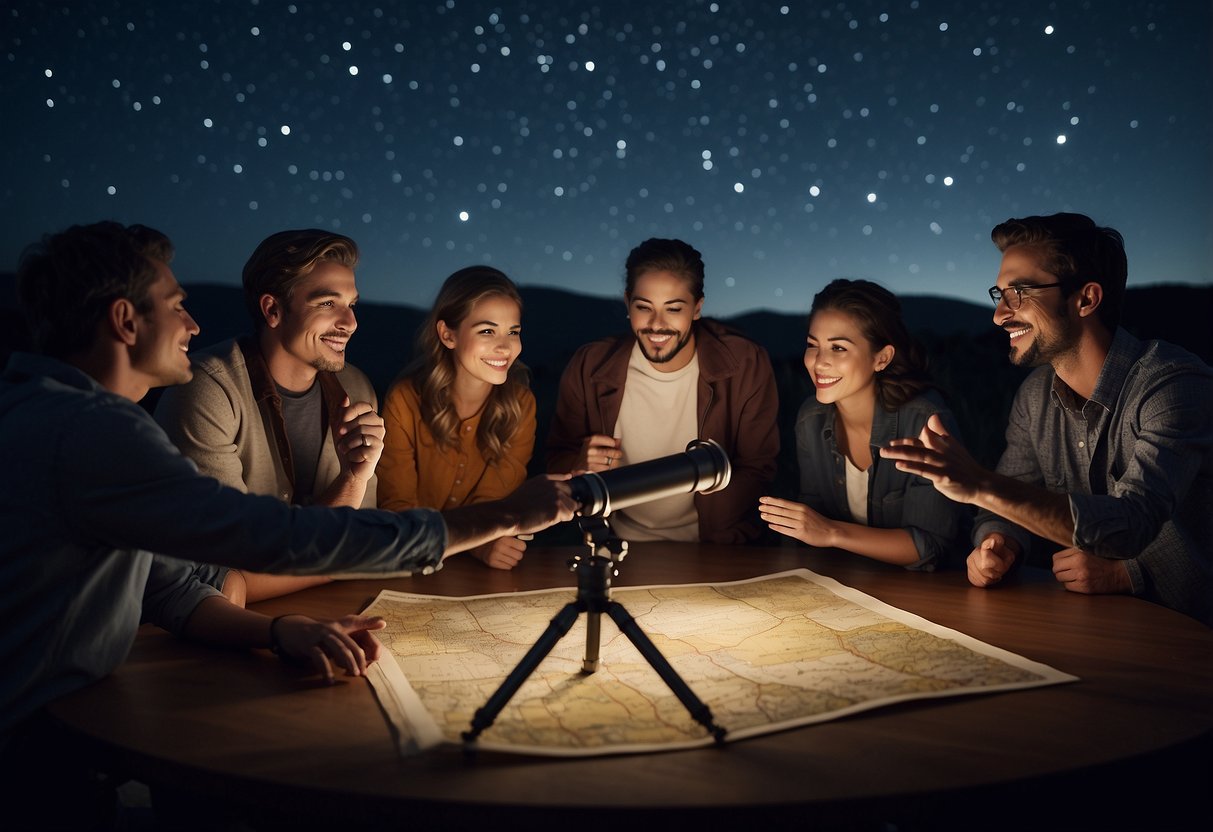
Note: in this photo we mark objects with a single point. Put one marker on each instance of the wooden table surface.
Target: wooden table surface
(1139, 722)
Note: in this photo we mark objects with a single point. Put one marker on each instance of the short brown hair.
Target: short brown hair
(67, 281)
(1077, 251)
(283, 259)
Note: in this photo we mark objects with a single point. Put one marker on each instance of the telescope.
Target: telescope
(702, 468)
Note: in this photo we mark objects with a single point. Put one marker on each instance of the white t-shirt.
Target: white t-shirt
(857, 491)
(657, 417)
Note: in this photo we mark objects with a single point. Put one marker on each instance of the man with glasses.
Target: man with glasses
(1110, 442)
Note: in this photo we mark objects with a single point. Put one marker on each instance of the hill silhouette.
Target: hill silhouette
(967, 352)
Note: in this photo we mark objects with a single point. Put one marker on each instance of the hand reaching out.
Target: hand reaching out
(541, 502)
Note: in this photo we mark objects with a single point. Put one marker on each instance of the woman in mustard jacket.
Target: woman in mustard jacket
(460, 420)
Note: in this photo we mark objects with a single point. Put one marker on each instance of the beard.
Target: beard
(324, 363)
(669, 356)
(1046, 347)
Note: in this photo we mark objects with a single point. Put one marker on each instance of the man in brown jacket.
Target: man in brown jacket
(676, 377)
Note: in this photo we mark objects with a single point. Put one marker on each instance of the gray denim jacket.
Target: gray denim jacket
(896, 500)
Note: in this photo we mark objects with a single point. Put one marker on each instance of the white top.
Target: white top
(857, 492)
(657, 417)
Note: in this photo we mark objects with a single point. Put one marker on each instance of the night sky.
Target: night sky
(791, 143)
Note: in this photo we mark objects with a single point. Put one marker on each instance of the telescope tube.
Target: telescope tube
(702, 468)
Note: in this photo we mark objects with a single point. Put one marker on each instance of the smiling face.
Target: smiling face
(1040, 330)
(309, 332)
(486, 343)
(840, 360)
(662, 311)
(161, 354)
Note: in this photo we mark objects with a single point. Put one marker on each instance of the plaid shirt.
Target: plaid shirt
(1136, 460)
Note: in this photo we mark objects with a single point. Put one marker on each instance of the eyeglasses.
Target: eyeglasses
(1014, 301)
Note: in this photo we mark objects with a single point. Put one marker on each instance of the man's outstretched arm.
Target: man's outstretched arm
(941, 458)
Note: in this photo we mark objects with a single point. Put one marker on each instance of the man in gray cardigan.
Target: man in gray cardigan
(280, 412)
(1110, 443)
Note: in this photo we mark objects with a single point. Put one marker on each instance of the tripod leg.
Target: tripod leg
(557, 627)
(628, 626)
(592, 639)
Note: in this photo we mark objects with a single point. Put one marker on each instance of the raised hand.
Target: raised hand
(941, 458)
(360, 438)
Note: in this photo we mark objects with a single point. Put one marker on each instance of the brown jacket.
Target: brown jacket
(738, 407)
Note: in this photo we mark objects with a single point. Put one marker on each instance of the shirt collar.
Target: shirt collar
(258, 371)
(1123, 352)
(1122, 355)
(884, 425)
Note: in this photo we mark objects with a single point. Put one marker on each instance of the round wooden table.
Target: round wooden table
(1127, 744)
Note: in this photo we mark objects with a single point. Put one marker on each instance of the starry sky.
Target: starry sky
(791, 142)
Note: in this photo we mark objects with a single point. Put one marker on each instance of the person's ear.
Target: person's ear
(698, 309)
(1089, 298)
(884, 357)
(123, 321)
(271, 310)
(446, 335)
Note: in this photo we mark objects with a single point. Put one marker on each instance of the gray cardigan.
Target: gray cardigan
(225, 421)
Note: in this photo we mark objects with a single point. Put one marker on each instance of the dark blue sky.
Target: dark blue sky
(790, 142)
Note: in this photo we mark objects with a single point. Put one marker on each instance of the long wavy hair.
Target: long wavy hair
(877, 312)
(433, 368)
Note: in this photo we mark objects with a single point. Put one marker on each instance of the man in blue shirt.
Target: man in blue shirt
(1110, 440)
(98, 505)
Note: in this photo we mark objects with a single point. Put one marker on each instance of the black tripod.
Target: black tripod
(594, 598)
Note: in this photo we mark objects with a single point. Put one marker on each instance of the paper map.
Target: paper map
(764, 655)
